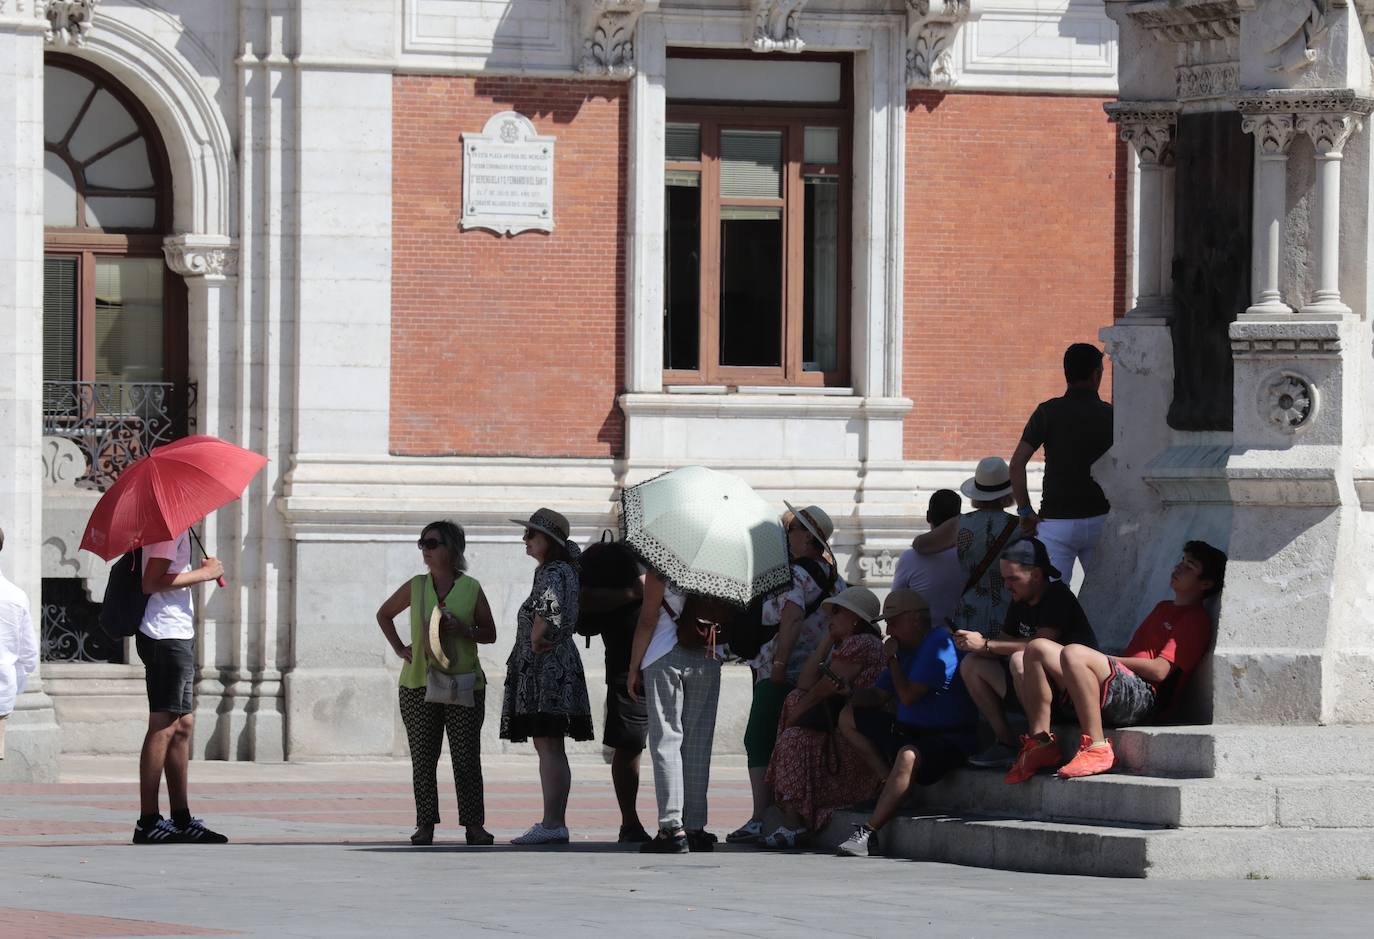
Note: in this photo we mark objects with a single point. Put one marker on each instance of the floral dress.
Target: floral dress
(983, 607)
(546, 693)
(814, 772)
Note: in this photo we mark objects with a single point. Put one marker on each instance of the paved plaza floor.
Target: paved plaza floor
(321, 850)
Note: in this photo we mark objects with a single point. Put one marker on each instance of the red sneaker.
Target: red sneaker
(1090, 760)
(1036, 754)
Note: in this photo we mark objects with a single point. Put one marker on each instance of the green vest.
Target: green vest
(462, 653)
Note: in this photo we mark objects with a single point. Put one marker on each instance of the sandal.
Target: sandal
(424, 834)
(787, 838)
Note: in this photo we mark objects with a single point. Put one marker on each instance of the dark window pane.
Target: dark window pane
(682, 143)
(750, 287)
(681, 271)
(821, 298)
(59, 319)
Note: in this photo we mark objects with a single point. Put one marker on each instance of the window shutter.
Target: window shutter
(750, 164)
(59, 319)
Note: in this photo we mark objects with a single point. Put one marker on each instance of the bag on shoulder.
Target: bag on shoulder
(443, 688)
(749, 633)
(606, 565)
(124, 603)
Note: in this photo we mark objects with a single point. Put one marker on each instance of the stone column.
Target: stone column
(1329, 132)
(33, 740)
(1273, 133)
(1149, 128)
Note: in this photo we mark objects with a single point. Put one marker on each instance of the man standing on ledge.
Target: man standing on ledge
(1075, 430)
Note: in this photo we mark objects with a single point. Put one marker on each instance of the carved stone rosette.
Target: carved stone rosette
(608, 32)
(68, 21)
(1288, 400)
(932, 26)
(776, 26)
(1148, 127)
(190, 256)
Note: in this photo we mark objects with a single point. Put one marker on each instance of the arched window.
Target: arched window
(114, 335)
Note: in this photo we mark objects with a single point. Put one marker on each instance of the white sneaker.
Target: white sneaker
(751, 832)
(538, 834)
(857, 844)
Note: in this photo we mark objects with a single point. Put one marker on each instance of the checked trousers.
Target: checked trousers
(682, 690)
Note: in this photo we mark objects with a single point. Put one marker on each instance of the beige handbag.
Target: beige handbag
(441, 687)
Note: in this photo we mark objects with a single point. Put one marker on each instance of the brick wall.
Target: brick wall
(507, 345)
(1015, 247)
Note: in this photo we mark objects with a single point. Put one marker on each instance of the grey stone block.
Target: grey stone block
(1327, 803)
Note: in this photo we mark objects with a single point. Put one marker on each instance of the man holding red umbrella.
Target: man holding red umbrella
(153, 505)
(166, 644)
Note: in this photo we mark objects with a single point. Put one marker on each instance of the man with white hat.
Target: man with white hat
(933, 730)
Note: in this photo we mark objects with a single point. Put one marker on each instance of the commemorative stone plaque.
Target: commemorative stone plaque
(508, 177)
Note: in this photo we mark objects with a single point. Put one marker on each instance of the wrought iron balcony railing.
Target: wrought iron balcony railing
(116, 422)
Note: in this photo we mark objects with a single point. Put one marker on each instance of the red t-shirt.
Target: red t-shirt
(1177, 634)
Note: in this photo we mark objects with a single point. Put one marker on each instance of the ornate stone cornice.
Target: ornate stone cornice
(1273, 132)
(608, 32)
(776, 26)
(1189, 20)
(1313, 100)
(68, 21)
(932, 26)
(1213, 80)
(201, 256)
(1148, 126)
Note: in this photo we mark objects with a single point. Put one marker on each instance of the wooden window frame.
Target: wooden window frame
(712, 118)
(87, 244)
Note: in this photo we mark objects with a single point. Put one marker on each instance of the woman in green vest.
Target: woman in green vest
(442, 685)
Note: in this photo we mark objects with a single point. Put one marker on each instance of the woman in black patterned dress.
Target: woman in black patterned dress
(546, 691)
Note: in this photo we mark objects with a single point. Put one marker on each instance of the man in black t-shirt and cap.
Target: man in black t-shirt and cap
(1042, 606)
(1075, 429)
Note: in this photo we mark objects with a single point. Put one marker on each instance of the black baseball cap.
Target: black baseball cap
(1030, 551)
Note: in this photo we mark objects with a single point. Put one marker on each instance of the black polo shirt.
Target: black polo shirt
(1058, 609)
(1075, 430)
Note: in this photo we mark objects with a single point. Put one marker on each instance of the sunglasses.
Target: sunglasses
(429, 544)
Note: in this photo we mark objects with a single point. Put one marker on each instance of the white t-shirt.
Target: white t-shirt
(937, 577)
(665, 630)
(169, 614)
(18, 647)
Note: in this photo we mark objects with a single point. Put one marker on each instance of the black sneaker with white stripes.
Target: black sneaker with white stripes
(161, 831)
(195, 832)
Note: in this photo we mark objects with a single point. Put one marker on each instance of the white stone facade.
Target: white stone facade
(276, 116)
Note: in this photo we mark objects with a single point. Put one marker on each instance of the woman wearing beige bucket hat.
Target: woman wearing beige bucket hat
(546, 690)
(801, 627)
(814, 769)
(979, 537)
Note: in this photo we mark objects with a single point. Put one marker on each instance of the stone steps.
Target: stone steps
(1119, 850)
(1244, 750)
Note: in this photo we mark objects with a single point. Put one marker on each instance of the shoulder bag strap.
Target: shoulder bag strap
(826, 583)
(993, 551)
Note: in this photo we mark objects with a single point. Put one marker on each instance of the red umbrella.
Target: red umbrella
(168, 491)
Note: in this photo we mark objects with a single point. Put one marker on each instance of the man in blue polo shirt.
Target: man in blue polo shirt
(933, 730)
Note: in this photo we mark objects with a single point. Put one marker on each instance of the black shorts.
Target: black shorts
(627, 720)
(941, 749)
(169, 672)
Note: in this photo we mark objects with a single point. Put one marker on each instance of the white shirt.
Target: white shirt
(665, 630)
(804, 593)
(937, 577)
(169, 614)
(18, 645)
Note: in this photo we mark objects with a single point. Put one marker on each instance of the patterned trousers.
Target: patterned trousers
(425, 725)
(682, 690)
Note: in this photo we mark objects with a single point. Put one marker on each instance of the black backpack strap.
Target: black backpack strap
(823, 578)
(994, 551)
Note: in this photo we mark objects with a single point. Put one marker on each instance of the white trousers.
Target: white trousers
(1070, 539)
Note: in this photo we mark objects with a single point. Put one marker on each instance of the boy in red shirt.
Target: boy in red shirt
(1118, 691)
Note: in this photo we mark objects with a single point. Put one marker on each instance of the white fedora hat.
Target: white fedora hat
(991, 480)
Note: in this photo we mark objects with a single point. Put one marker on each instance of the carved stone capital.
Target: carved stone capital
(1329, 131)
(1189, 20)
(776, 26)
(201, 256)
(608, 32)
(1273, 132)
(1148, 126)
(68, 21)
(932, 26)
